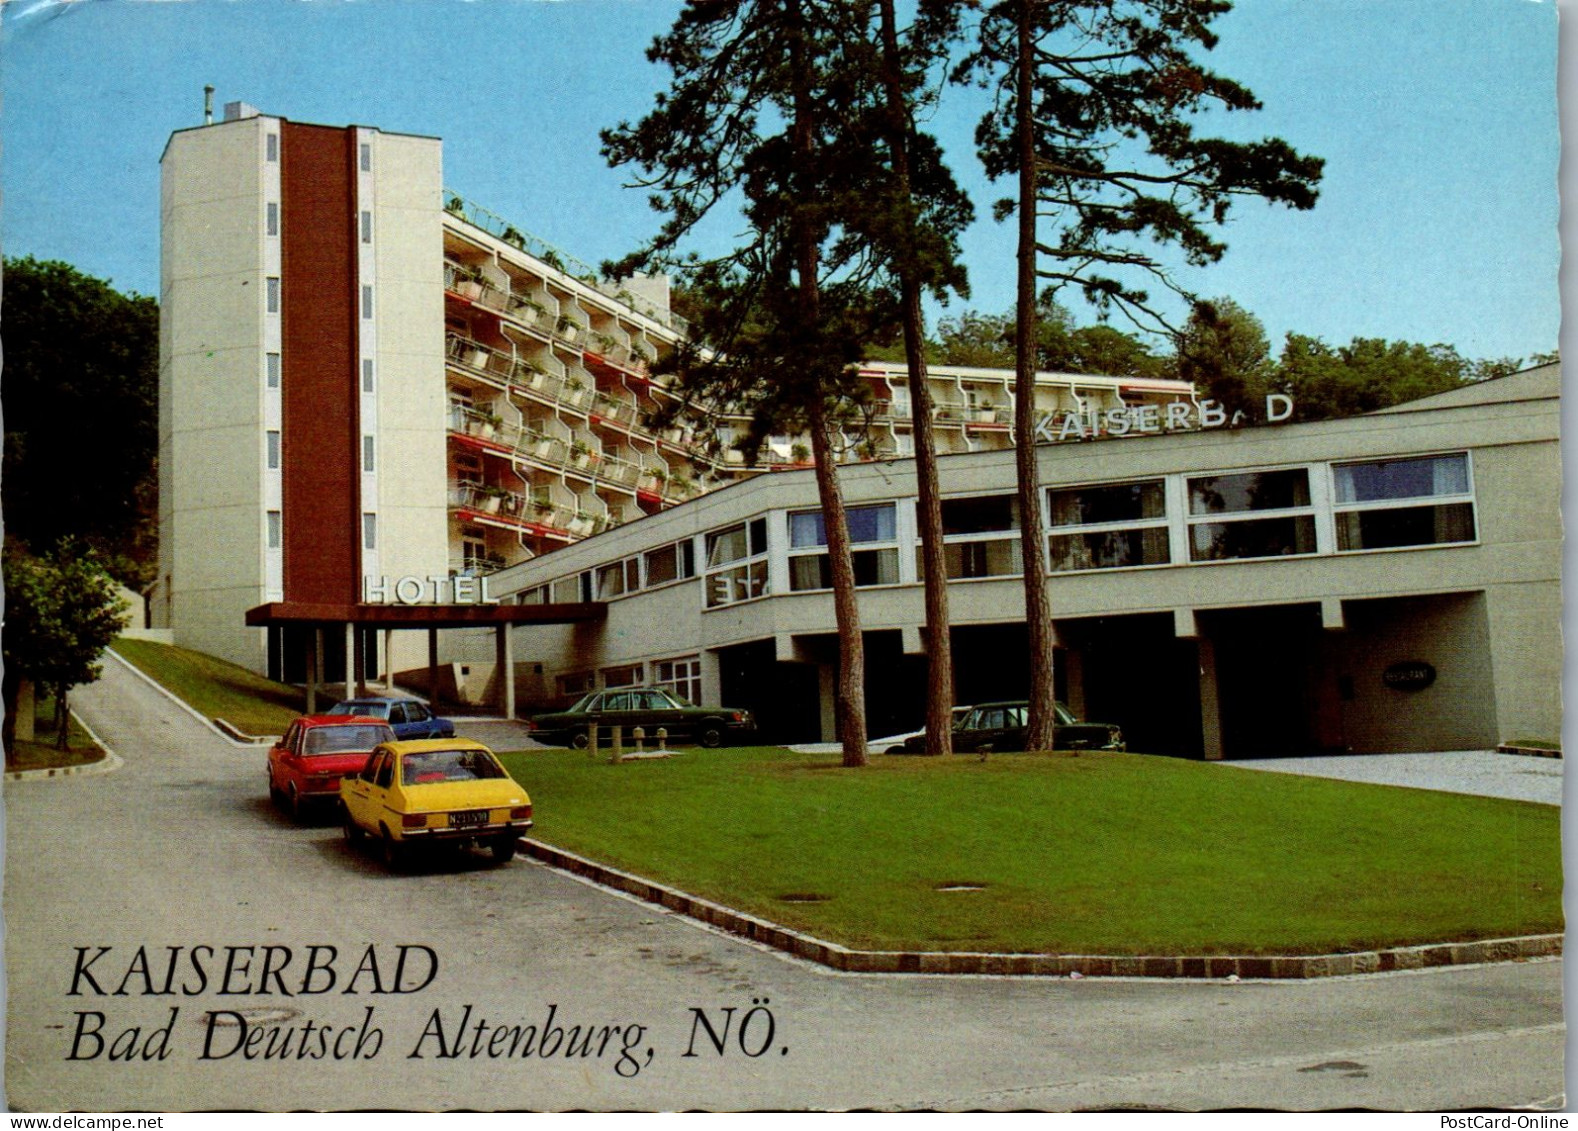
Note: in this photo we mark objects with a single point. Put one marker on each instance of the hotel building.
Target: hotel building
(365, 377)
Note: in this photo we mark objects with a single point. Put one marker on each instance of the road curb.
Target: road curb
(1528, 751)
(105, 765)
(177, 700)
(1047, 965)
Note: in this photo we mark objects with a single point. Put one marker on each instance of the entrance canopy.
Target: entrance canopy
(422, 616)
(350, 618)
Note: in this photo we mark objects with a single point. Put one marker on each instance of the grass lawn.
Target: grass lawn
(40, 754)
(1088, 853)
(217, 689)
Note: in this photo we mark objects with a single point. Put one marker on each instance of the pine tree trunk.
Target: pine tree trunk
(1038, 609)
(851, 645)
(939, 643)
(62, 718)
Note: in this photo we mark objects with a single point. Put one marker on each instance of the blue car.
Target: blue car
(409, 718)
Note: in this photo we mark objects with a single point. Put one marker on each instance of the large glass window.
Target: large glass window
(1108, 527)
(1233, 516)
(745, 543)
(866, 525)
(974, 531)
(1423, 501)
(671, 563)
(680, 678)
(617, 578)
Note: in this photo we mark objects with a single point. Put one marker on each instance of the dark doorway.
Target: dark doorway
(783, 697)
(1267, 661)
(1137, 673)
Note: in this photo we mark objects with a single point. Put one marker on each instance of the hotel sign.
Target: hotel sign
(434, 589)
(1151, 419)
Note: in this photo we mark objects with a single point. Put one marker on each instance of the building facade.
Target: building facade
(364, 377)
(1387, 582)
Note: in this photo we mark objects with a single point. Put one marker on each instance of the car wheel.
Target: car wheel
(710, 735)
(353, 831)
(393, 852)
(579, 741)
(503, 848)
(274, 794)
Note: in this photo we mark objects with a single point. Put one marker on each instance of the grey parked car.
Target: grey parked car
(1001, 726)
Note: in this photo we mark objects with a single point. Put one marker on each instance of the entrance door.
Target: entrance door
(1266, 661)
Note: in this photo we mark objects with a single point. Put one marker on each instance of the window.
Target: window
(866, 525)
(629, 675)
(745, 543)
(367, 227)
(1225, 515)
(272, 219)
(367, 157)
(576, 683)
(1425, 501)
(368, 462)
(367, 302)
(274, 533)
(370, 531)
(1108, 527)
(272, 446)
(671, 563)
(617, 578)
(569, 590)
(681, 678)
(272, 291)
(367, 374)
(271, 147)
(981, 537)
(272, 370)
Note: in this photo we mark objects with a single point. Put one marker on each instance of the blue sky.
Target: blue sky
(1437, 120)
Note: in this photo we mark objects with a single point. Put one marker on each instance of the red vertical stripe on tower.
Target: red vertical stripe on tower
(321, 458)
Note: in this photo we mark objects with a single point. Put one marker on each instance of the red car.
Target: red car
(305, 766)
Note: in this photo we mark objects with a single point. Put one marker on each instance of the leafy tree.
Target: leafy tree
(1095, 114)
(1365, 375)
(1223, 350)
(758, 111)
(81, 376)
(61, 613)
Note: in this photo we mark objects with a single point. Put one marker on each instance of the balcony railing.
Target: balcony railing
(476, 215)
(621, 412)
(475, 565)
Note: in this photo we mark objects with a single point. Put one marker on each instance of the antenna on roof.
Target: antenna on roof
(208, 105)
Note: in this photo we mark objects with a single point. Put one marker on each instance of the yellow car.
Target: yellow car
(432, 791)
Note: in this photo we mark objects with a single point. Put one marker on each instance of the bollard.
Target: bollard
(662, 738)
(640, 735)
(617, 755)
(591, 740)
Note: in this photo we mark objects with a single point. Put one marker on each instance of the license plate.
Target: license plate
(469, 819)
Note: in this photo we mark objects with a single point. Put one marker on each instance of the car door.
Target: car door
(658, 710)
(422, 722)
(278, 756)
(401, 723)
(358, 793)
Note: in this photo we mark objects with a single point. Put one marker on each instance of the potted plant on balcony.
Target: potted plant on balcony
(455, 206)
(799, 453)
(485, 423)
(567, 328)
(572, 390)
(580, 454)
(490, 498)
(513, 237)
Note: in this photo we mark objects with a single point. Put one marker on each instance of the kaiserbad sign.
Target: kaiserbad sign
(1135, 420)
(434, 589)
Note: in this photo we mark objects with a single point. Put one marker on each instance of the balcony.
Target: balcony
(618, 411)
(471, 421)
(622, 472)
(475, 565)
(481, 358)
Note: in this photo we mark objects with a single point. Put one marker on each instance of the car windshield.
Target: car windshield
(377, 710)
(333, 740)
(431, 766)
(1064, 716)
(584, 701)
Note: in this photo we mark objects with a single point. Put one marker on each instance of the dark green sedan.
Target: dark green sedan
(645, 707)
(1001, 726)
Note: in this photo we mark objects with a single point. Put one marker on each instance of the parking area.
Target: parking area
(1482, 772)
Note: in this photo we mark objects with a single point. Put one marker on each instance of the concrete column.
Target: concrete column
(1210, 703)
(352, 661)
(314, 669)
(1331, 615)
(711, 679)
(827, 697)
(1074, 668)
(504, 656)
(388, 664)
(432, 665)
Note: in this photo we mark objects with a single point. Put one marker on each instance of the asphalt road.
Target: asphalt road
(179, 848)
